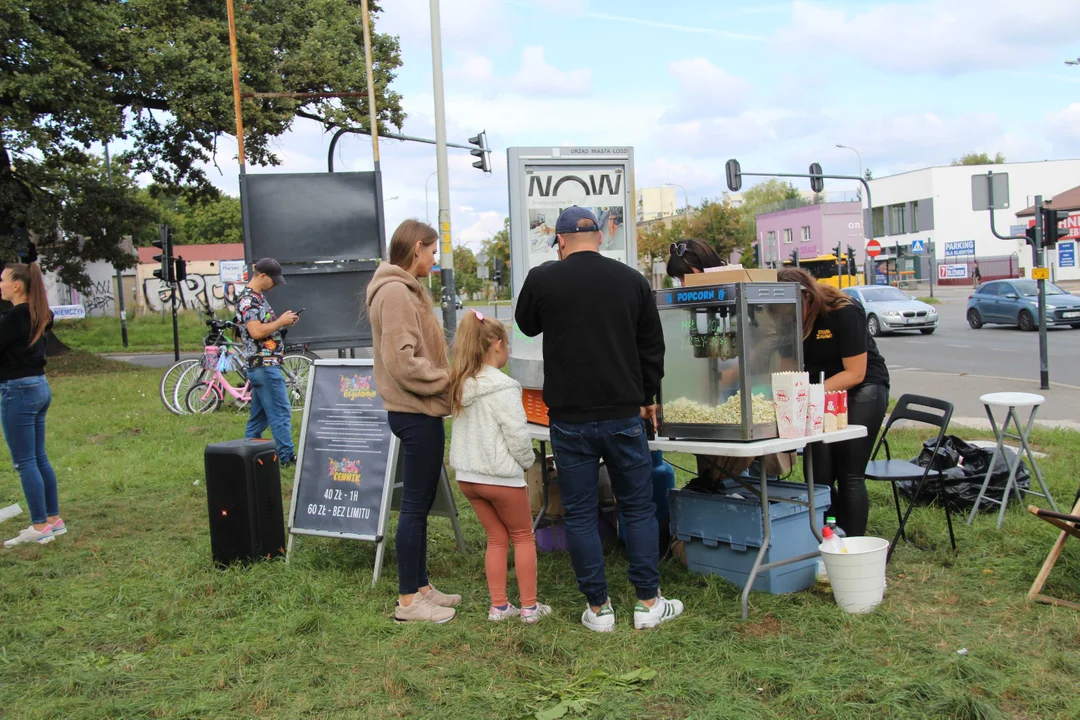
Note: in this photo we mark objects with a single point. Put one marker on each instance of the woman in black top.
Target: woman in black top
(835, 342)
(25, 398)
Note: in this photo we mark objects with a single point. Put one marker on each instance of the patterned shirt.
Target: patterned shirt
(250, 305)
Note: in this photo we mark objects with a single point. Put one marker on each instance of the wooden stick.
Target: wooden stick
(1052, 558)
(1054, 601)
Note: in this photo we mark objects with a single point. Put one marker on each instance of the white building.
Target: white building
(933, 205)
(653, 203)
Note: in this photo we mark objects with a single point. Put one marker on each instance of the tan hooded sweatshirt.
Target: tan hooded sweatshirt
(412, 372)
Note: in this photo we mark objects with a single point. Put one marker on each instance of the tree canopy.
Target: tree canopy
(193, 222)
(973, 158)
(155, 75)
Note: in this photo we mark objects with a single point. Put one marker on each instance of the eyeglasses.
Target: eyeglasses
(678, 249)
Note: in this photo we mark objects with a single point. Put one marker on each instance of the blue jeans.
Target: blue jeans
(422, 441)
(23, 404)
(624, 447)
(270, 408)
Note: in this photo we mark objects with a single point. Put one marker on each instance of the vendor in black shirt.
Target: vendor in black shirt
(835, 342)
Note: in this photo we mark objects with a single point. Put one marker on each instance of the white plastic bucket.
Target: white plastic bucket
(858, 576)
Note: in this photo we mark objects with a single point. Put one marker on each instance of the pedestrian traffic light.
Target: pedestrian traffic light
(181, 269)
(817, 183)
(482, 151)
(164, 242)
(1052, 230)
(734, 175)
(852, 270)
(497, 275)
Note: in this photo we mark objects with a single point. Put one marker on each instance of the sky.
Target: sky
(691, 83)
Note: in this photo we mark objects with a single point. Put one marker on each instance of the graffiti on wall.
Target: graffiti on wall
(197, 292)
(99, 297)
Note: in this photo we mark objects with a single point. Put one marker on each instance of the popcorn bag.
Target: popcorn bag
(842, 418)
(791, 395)
(832, 411)
(815, 416)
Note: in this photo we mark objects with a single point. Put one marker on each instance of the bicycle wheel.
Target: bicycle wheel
(297, 371)
(192, 376)
(169, 383)
(202, 397)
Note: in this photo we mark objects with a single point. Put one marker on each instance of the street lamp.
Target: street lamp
(845, 147)
(427, 203)
(685, 195)
(1073, 62)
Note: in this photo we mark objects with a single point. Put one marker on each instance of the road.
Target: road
(994, 350)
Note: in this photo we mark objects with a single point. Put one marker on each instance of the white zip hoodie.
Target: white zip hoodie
(490, 443)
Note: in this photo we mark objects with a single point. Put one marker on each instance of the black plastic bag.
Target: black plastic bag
(964, 468)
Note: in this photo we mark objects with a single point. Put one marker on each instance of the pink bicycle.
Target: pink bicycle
(207, 395)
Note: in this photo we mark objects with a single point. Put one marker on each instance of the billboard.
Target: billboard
(960, 248)
(543, 182)
(952, 272)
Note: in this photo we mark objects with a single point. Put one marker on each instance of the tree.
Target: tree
(973, 158)
(156, 74)
(193, 222)
(465, 280)
(498, 246)
(769, 192)
(655, 242)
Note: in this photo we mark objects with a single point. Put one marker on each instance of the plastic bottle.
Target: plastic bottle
(837, 530)
(832, 543)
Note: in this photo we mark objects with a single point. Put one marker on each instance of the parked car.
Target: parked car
(1016, 302)
(889, 309)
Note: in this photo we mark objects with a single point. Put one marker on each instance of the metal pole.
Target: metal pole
(373, 120)
(236, 87)
(857, 154)
(175, 328)
(446, 251)
(933, 261)
(1039, 253)
(119, 277)
(427, 202)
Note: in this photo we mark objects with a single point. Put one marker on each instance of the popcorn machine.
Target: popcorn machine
(723, 344)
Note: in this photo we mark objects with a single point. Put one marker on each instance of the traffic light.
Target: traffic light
(817, 183)
(757, 254)
(734, 175)
(482, 151)
(1030, 233)
(795, 258)
(497, 275)
(1052, 232)
(181, 269)
(852, 270)
(164, 241)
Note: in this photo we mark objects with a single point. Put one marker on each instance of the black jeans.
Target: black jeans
(842, 466)
(422, 440)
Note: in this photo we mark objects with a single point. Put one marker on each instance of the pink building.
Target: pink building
(812, 230)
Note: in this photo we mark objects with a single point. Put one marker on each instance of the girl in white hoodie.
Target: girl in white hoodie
(490, 450)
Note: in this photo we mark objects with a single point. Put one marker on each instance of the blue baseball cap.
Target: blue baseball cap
(568, 222)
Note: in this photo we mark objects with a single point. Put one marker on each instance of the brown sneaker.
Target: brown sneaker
(442, 599)
(423, 610)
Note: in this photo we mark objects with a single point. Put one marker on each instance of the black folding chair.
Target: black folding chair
(916, 408)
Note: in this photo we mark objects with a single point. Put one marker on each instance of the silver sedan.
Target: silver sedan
(889, 310)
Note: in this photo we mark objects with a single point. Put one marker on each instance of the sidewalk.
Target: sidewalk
(1061, 409)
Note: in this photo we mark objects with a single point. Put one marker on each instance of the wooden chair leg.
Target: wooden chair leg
(1044, 572)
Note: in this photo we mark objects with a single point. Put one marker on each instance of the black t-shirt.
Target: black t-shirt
(838, 335)
(19, 359)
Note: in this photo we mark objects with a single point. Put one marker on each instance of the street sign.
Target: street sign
(68, 312)
(918, 247)
(980, 191)
(481, 258)
(482, 272)
(960, 248)
(873, 248)
(952, 272)
(1066, 254)
(1040, 273)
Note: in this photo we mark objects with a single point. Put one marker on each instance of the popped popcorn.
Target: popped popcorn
(685, 411)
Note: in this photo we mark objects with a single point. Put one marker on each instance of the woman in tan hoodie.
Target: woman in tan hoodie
(412, 375)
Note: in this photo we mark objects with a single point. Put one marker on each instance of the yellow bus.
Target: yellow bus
(829, 271)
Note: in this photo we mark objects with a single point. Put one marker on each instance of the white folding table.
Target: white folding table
(756, 449)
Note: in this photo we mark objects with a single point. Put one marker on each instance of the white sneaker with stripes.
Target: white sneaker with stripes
(661, 611)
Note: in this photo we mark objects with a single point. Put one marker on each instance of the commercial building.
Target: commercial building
(930, 210)
(812, 230)
(653, 203)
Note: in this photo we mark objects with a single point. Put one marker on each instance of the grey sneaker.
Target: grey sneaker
(423, 610)
(30, 535)
(532, 615)
(441, 598)
(497, 615)
(603, 621)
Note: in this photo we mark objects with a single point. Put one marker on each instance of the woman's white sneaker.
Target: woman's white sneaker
(30, 535)
(661, 611)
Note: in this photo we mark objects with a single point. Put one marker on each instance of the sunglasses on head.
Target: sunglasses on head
(678, 249)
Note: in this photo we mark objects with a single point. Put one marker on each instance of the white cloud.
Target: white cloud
(537, 77)
(934, 37)
(705, 91)
(1063, 130)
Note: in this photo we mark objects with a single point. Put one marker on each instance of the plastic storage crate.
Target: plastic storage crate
(723, 531)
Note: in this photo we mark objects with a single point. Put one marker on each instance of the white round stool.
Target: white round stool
(1013, 401)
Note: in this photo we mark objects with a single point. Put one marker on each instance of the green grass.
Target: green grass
(930, 300)
(127, 617)
(149, 333)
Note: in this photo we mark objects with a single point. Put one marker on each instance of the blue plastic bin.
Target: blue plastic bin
(722, 534)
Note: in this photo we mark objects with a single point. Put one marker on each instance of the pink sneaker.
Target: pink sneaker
(58, 527)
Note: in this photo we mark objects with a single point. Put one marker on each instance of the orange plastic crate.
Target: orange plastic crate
(535, 409)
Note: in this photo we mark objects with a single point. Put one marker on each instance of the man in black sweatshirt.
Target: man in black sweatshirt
(603, 361)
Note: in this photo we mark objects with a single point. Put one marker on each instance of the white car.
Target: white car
(889, 310)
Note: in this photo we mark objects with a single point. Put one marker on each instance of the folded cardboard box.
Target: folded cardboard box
(724, 275)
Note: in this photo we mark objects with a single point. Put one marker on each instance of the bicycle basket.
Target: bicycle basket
(210, 357)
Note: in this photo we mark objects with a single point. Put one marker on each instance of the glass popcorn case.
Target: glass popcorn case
(723, 344)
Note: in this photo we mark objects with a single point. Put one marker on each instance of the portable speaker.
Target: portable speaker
(243, 498)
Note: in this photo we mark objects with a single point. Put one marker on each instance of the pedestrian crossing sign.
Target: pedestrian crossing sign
(918, 247)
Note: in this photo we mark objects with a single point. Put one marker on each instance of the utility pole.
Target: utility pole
(1039, 253)
(119, 277)
(446, 250)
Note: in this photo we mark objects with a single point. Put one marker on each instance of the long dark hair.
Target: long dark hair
(34, 287)
(818, 299)
(690, 254)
